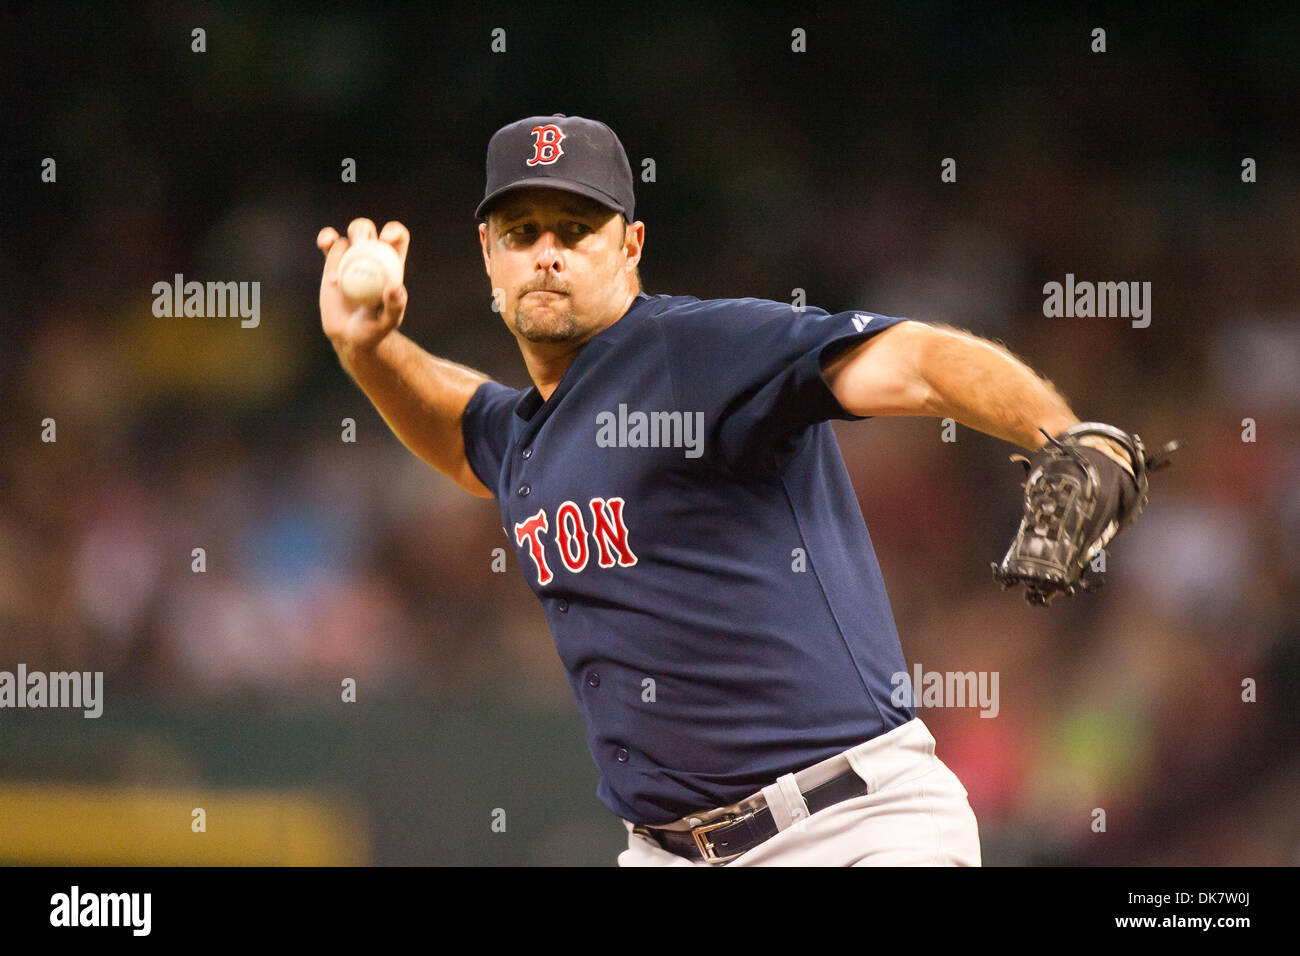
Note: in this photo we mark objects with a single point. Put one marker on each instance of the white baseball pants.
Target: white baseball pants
(916, 813)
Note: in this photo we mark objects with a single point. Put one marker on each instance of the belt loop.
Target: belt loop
(785, 801)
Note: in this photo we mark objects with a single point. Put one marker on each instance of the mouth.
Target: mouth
(545, 292)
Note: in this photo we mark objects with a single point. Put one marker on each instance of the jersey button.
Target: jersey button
(593, 679)
(622, 755)
(524, 491)
(528, 453)
(563, 604)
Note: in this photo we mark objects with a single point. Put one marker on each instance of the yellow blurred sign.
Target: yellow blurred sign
(45, 824)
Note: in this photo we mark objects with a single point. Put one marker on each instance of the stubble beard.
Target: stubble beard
(549, 326)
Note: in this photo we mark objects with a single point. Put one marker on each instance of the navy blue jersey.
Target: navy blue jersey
(681, 508)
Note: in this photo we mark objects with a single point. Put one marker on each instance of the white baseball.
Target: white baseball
(366, 268)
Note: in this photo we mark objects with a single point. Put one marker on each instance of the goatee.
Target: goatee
(560, 327)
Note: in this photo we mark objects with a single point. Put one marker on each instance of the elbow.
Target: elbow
(465, 478)
(885, 376)
(475, 487)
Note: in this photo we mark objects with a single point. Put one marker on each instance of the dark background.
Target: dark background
(774, 171)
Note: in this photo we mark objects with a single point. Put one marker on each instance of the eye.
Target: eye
(529, 228)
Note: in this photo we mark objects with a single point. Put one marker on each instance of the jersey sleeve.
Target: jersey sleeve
(486, 427)
(753, 367)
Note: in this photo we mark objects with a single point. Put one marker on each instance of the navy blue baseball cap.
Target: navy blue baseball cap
(561, 152)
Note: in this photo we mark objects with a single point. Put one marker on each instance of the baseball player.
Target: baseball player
(675, 496)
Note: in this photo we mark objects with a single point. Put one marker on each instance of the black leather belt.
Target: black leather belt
(719, 841)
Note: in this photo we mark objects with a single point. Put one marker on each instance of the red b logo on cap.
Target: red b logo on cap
(546, 149)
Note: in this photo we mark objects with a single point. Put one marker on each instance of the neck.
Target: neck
(548, 361)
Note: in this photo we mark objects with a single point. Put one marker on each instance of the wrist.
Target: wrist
(1053, 426)
(352, 353)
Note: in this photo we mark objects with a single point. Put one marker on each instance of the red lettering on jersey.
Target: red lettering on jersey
(610, 530)
(546, 148)
(570, 514)
(532, 530)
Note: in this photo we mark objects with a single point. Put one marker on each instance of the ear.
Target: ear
(483, 242)
(634, 243)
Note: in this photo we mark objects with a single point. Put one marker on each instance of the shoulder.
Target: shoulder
(492, 394)
(691, 307)
(688, 314)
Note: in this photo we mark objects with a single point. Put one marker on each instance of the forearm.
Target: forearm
(422, 398)
(983, 386)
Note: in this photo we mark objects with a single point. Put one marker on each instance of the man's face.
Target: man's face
(560, 261)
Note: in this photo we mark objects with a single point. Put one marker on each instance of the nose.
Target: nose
(548, 252)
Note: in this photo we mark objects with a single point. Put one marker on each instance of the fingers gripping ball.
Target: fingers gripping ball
(1076, 500)
(366, 268)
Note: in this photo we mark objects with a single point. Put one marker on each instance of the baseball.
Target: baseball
(366, 268)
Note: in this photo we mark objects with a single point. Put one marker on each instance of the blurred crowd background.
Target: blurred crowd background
(773, 171)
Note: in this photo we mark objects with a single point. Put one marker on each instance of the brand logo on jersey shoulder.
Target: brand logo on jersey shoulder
(608, 534)
(861, 321)
(546, 146)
